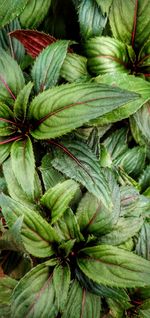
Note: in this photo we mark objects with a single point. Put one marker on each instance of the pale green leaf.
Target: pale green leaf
(61, 281)
(4, 151)
(57, 199)
(10, 10)
(47, 66)
(74, 68)
(34, 13)
(69, 106)
(105, 5)
(113, 266)
(6, 120)
(21, 102)
(34, 295)
(23, 164)
(82, 303)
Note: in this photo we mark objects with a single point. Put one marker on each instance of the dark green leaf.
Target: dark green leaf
(4, 151)
(113, 266)
(144, 309)
(6, 120)
(10, 9)
(21, 102)
(11, 239)
(81, 303)
(69, 106)
(34, 13)
(141, 119)
(7, 284)
(144, 179)
(143, 243)
(91, 19)
(61, 281)
(46, 69)
(57, 199)
(23, 164)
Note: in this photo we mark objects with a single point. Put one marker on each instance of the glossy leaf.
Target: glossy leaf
(46, 69)
(74, 68)
(34, 13)
(91, 19)
(33, 41)
(61, 281)
(37, 234)
(69, 106)
(10, 10)
(23, 165)
(21, 102)
(78, 162)
(112, 266)
(58, 198)
(82, 303)
(34, 295)
(11, 76)
(50, 176)
(129, 21)
(106, 55)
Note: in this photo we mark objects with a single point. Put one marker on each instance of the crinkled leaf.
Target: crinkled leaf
(143, 243)
(91, 19)
(112, 266)
(7, 284)
(10, 10)
(69, 106)
(61, 281)
(37, 235)
(82, 303)
(74, 68)
(46, 69)
(34, 295)
(33, 41)
(106, 55)
(123, 230)
(81, 164)
(131, 83)
(23, 164)
(10, 76)
(57, 199)
(129, 21)
(21, 102)
(34, 13)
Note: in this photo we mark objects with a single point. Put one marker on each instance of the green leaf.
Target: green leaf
(93, 217)
(37, 235)
(50, 176)
(61, 281)
(46, 69)
(112, 266)
(6, 120)
(11, 239)
(142, 121)
(78, 162)
(131, 83)
(143, 243)
(106, 55)
(67, 228)
(23, 164)
(105, 5)
(9, 44)
(144, 59)
(10, 76)
(123, 230)
(91, 19)
(10, 10)
(57, 199)
(144, 179)
(34, 13)
(34, 295)
(7, 284)
(82, 303)
(116, 308)
(129, 21)
(4, 151)
(74, 68)
(116, 143)
(21, 102)
(144, 309)
(69, 106)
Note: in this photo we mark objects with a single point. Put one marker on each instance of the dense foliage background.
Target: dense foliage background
(75, 158)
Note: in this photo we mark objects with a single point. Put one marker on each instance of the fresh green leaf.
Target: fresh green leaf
(113, 266)
(11, 76)
(4, 151)
(23, 165)
(21, 102)
(34, 295)
(82, 303)
(10, 10)
(69, 106)
(142, 121)
(105, 5)
(91, 19)
(37, 235)
(46, 69)
(129, 21)
(6, 120)
(74, 68)
(61, 281)
(34, 13)
(57, 199)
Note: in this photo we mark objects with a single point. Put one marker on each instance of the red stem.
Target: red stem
(7, 87)
(10, 140)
